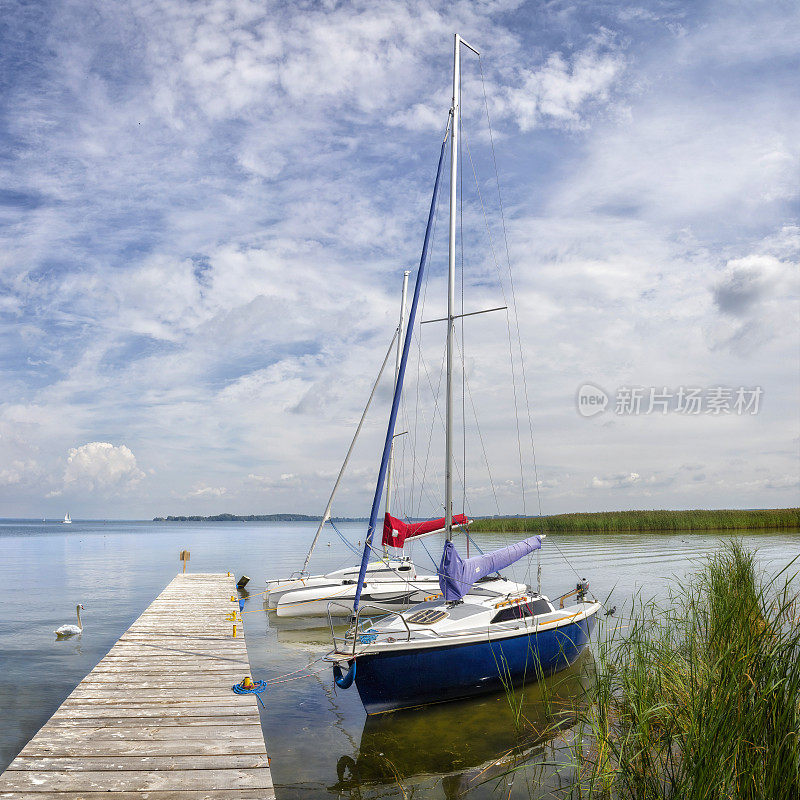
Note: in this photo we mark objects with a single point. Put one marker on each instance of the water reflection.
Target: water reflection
(468, 743)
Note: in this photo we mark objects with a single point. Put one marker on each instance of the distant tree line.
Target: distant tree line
(254, 518)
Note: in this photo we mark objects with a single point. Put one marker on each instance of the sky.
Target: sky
(206, 209)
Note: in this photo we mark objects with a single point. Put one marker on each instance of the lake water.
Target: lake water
(318, 737)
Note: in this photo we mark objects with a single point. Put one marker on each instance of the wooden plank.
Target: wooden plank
(137, 780)
(155, 733)
(148, 722)
(156, 718)
(158, 747)
(101, 763)
(207, 794)
(117, 692)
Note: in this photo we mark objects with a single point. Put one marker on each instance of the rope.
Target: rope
(256, 689)
(425, 547)
(353, 549)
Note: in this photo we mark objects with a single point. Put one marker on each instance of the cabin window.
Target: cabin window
(530, 609)
(404, 569)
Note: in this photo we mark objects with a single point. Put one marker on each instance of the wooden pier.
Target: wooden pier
(156, 719)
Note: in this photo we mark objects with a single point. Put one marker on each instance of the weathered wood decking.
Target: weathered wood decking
(156, 719)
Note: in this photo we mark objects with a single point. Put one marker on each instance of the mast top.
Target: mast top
(468, 45)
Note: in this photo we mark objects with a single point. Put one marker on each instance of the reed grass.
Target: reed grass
(700, 699)
(621, 521)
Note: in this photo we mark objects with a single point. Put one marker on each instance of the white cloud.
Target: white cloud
(208, 491)
(286, 481)
(101, 466)
(754, 296)
(558, 92)
(224, 197)
(18, 472)
(618, 481)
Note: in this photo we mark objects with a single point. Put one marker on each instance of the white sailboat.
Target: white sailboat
(303, 595)
(67, 519)
(392, 581)
(459, 644)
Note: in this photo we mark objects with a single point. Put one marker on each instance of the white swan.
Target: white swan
(71, 630)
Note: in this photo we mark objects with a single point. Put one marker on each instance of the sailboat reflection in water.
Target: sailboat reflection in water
(478, 740)
(460, 644)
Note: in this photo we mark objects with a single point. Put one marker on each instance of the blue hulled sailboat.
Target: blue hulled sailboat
(463, 642)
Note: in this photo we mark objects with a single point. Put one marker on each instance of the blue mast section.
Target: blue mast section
(398, 389)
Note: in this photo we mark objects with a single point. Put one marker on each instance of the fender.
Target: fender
(344, 681)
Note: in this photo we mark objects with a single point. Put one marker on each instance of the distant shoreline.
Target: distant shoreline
(594, 522)
(256, 518)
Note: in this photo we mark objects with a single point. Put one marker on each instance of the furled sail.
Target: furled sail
(456, 574)
(395, 531)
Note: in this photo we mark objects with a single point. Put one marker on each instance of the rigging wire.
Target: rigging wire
(418, 338)
(437, 411)
(516, 319)
(513, 292)
(483, 445)
(508, 324)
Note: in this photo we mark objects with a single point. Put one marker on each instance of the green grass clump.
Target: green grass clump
(700, 699)
(621, 521)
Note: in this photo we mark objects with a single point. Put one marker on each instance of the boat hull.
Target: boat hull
(376, 570)
(391, 680)
(280, 589)
(394, 595)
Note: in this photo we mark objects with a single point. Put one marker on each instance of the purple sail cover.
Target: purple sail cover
(456, 574)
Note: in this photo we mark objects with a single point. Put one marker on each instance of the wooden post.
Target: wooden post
(184, 557)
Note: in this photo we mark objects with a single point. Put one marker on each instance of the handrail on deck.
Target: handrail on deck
(355, 622)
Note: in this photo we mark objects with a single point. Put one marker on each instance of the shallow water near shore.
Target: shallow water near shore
(320, 742)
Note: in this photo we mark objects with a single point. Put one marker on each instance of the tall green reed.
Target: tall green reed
(700, 699)
(656, 520)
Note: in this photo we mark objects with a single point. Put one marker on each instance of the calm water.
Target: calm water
(319, 739)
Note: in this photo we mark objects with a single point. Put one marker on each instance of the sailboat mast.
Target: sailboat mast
(400, 339)
(451, 288)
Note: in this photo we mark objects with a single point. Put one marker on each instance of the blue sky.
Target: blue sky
(206, 208)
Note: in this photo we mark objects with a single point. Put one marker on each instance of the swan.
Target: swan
(71, 630)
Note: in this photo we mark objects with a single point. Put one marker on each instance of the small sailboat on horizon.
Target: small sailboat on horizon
(67, 519)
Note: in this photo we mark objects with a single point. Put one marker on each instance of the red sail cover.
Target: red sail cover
(395, 531)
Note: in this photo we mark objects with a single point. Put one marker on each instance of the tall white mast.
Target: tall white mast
(400, 339)
(451, 288)
(451, 280)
